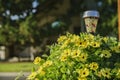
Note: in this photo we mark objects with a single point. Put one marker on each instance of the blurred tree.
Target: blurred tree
(108, 19)
(32, 22)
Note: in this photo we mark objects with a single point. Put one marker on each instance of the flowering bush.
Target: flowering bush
(80, 57)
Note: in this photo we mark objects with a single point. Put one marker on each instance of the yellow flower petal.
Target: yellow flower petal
(37, 60)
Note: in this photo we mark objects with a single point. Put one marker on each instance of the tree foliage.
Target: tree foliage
(108, 19)
(24, 29)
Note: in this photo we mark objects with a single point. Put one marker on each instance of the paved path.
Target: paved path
(13, 75)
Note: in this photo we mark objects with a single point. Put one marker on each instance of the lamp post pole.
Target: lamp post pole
(119, 20)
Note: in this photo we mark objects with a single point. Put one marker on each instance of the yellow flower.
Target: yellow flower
(37, 60)
(63, 57)
(106, 54)
(32, 75)
(41, 71)
(75, 53)
(65, 44)
(82, 43)
(61, 38)
(83, 57)
(83, 72)
(106, 72)
(75, 38)
(67, 52)
(93, 66)
(95, 44)
(47, 63)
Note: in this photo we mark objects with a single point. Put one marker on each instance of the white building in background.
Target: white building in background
(2, 53)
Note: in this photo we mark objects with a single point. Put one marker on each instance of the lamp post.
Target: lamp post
(91, 19)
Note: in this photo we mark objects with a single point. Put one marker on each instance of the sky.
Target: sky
(15, 17)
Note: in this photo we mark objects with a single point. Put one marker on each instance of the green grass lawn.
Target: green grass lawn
(16, 67)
